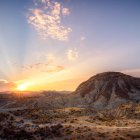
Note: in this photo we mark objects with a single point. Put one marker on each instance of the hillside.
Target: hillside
(110, 89)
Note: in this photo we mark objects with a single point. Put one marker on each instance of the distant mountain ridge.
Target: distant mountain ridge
(110, 89)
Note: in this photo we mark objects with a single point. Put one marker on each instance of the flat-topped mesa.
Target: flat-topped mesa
(110, 88)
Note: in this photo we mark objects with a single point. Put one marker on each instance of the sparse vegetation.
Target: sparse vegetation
(71, 123)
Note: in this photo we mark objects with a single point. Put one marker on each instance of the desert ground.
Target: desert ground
(70, 123)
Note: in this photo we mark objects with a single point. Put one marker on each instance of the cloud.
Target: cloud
(72, 54)
(45, 62)
(40, 67)
(5, 85)
(3, 81)
(44, 67)
(65, 11)
(46, 18)
(82, 38)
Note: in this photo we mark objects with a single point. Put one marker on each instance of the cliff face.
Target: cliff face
(110, 89)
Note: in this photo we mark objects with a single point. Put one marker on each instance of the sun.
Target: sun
(22, 87)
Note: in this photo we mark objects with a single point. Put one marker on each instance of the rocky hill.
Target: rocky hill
(110, 89)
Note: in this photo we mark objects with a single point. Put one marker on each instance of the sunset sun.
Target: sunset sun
(22, 87)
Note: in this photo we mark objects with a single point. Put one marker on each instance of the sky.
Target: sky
(57, 44)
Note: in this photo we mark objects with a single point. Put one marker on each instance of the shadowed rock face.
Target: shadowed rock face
(110, 88)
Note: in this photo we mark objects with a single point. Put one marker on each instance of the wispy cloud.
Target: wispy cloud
(3, 81)
(44, 62)
(83, 38)
(65, 11)
(45, 67)
(46, 18)
(72, 54)
(5, 85)
(40, 67)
